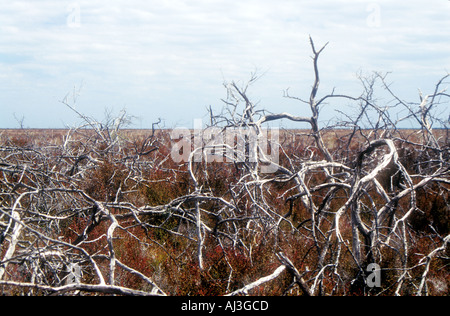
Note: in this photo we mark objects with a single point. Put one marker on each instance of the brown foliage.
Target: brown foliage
(113, 203)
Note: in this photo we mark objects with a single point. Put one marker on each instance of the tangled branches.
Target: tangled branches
(100, 209)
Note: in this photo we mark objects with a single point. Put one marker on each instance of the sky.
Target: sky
(170, 59)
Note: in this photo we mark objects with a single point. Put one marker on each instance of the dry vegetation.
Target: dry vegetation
(111, 205)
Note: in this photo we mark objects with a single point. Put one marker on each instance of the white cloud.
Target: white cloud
(167, 58)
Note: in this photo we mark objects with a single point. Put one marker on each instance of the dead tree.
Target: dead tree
(304, 212)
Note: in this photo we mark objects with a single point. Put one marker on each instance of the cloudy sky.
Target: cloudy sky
(169, 58)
